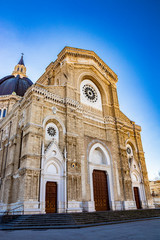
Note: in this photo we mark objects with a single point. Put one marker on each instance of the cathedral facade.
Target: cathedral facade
(65, 145)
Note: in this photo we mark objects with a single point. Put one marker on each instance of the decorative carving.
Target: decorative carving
(51, 131)
(5, 133)
(22, 119)
(90, 93)
(54, 110)
(109, 120)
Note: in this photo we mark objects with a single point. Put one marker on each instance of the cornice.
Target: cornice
(10, 96)
(77, 52)
(87, 54)
(51, 96)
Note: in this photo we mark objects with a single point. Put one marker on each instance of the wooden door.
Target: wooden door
(100, 188)
(51, 197)
(137, 197)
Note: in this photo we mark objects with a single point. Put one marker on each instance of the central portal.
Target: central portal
(100, 188)
(51, 197)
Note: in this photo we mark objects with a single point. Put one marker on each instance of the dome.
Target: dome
(11, 83)
(17, 82)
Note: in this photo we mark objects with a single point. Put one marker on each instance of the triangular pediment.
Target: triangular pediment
(81, 57)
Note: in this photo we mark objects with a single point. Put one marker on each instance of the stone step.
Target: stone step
(114, 215)
(73, 219)
(40, 224)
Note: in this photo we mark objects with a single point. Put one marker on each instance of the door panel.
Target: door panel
(51, 197)
(100, 188)
(137, 197)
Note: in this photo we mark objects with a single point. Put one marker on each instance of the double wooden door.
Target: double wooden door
(51, 197)
(100, 188)
(137, 197)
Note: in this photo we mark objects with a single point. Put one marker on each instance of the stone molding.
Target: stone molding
(75, 52)
(54, 97)
(109, 120)
(87, 54)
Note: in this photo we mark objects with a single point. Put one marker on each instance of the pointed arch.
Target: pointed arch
(51, 117)
(103, 165)
(132, 144)
(99, 151)
(53, 170)
(138, 191)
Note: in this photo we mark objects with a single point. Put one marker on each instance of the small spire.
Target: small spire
(20, 68)
(21, 62)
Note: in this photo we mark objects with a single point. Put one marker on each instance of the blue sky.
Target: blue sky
(125, 34)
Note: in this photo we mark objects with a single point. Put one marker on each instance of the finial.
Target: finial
(21, 62)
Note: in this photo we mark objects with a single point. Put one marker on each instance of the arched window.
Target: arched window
(90, 94)
(52, 132)
(129, 154)
(4, 113)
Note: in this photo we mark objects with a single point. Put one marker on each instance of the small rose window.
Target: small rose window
(51, 131)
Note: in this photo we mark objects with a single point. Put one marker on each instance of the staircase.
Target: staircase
(114, 216)
(74, 220)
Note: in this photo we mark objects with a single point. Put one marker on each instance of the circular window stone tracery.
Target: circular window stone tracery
(128, 150)
(90, 93)
(51, 131)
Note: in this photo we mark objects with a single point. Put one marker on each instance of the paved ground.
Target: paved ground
(148, 230)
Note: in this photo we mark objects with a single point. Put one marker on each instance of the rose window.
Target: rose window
(128, 150)
(90, 93)
(51, 131)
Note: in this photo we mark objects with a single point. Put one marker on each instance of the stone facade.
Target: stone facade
(155, 191)
(67, 125)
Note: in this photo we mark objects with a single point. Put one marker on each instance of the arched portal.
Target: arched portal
(53, 180)
(136, 179)
(100, 177)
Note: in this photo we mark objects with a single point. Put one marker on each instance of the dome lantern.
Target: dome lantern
(17, 83)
